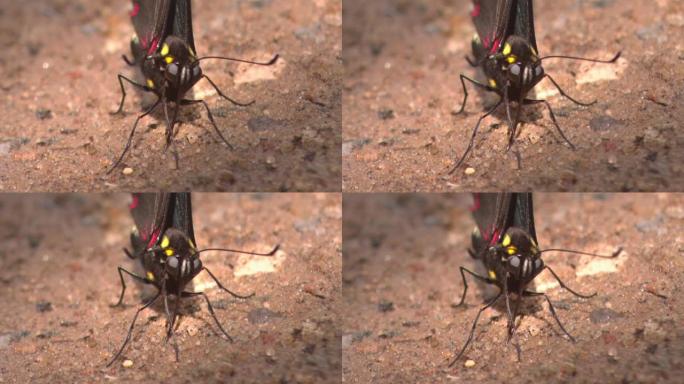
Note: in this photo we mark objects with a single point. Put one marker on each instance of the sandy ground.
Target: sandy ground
(60, 63)
(400, 280)
(58, 277)
(402, 64)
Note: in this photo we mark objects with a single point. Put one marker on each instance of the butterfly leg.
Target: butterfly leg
(226, 289)
(562, 92)
(123, 91)
(553, 118)
(130, 136)
(472, 137)
(226, 97)
(465, 282)
(472, 329)
(211, 119)
(562, 284)
(130, 328)
(211, 311)
(128, 61)
(552, 309)
(465, 90)
(123, 283)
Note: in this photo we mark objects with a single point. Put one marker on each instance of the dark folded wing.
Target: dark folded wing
(150, 20)
(149, 211)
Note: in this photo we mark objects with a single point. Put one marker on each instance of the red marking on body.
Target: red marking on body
(153, 46)
(495, 237)
(135, 10)
(153, 239)
(495, 46)
(476, 203)
(134, 202)
(476, 10)
(486, 42)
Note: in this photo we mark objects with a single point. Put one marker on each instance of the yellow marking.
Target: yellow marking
(511, 59)
(534, 53)
(165, 242)
(476, 39)
(169, 252)
(507, 49)
(492, 83)
(512, 250)
(150, 83)
(506, 241)
(164, 50)
(169, 59)
(492, 274)
(150, 276)
(135, 39)
(192, 245)
(476, 232)
(192, 53)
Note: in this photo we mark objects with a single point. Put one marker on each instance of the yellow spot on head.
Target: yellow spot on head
(507, 49)
(165, 242)
(164, 50)
(511, 59)
(512, 250)
(150, 83)
(506, 241)
(169, 59)
(492, 83)
(491, 274)
(150, 276)
(169, 252)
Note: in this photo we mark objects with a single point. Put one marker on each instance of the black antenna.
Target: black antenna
(271, 253)
(270, 62)
(583, 253)
(614, 59)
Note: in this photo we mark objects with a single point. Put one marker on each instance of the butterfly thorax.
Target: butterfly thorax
(516, 68)
(172, 70)
(173, 262)
(515, 260)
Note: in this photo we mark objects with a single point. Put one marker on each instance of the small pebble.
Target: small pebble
(127, 171)
(127, 363)
(385, 306)
(469, 363)
(44, 306)
(469, 171)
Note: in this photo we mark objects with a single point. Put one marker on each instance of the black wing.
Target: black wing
(494, 213)
(521, 214)
(150, 20)
(491, 19)
(182, 23)
(521, 22)
(154, 20)
(150, 212)
(490, 211)
(495, 20)
(181, 217)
